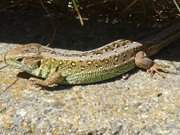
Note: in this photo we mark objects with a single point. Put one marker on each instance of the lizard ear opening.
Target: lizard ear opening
(38, 63)
(19, 59)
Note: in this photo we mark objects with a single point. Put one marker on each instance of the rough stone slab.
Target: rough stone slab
(134, 104)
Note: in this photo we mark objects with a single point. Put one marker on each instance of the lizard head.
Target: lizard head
(25, 57)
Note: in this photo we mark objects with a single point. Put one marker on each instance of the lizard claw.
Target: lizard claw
(160, 69)
(155, 69)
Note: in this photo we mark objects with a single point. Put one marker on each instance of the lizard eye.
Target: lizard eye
(19, 59)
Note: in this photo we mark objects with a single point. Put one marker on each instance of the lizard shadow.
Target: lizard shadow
(27, 76)
(58, 88)
(170, 53)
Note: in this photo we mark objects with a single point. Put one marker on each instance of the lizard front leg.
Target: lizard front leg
(53, 79)
(143, 62)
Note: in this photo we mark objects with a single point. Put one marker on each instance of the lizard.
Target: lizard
(53, 66)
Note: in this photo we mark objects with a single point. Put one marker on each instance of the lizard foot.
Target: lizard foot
(53, 80)
(144, 62)
(156, 69)
(40, 83)
(34, 82)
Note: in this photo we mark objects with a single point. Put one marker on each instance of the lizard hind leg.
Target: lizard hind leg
(143, 62)
(52, 80)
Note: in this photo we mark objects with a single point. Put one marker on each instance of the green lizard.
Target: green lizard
(111, 60)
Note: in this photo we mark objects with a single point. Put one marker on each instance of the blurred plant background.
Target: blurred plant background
(107, 11)
(83, 24)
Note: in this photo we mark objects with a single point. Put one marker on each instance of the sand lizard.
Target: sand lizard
(111, 60)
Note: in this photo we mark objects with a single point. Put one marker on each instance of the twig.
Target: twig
(3, 67)
(9, 86)
(177, 6)
(130, 5)
(78, 12)
(44, 7)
